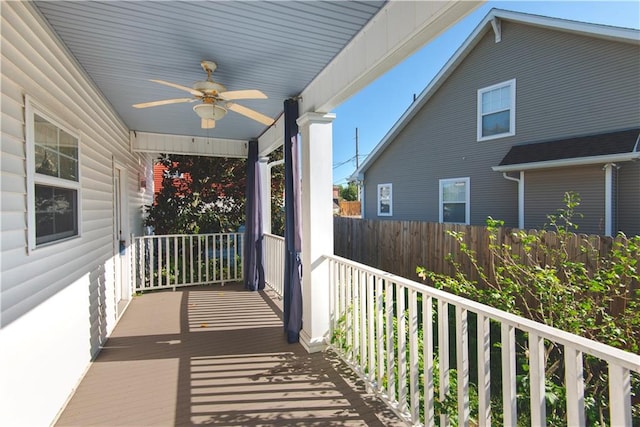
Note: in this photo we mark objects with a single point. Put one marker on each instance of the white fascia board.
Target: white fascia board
(585, 28)
(398, 30)
(147, 142)
(577, 161)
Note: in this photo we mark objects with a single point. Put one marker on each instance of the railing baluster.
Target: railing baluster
(380, 341)
(371, 316)
(414, 374)
(574, 383)
(349, 311)
(229, 258)
(191, 259)
(619, 395)
(176, 259)
(462, 365)
(206, 257)
(536, 380)
(159, 243)
(152, 254)
(402, 347)
(443, 354)
(484, 371)
(356, 315)
(391, 352)
(167, 264)
(508, 348)
(199, 240)
(184, 261)
(362, 279)
(427, 354)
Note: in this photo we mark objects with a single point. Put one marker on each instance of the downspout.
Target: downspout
(360, 182)
(608, 198)
(520, 182)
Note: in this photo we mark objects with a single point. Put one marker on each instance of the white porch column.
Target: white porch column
(317, 226)
(265, 192)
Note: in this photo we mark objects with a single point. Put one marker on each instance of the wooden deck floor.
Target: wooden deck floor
(215, 356)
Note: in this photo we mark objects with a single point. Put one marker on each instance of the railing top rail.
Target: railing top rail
(155, 236)
(274, 236)
(603, 351)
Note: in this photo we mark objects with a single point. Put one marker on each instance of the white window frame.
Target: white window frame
(512, 111)
(380, 186)
(32, 108)
(467, 211)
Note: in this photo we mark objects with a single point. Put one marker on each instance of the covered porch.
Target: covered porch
(216, 355)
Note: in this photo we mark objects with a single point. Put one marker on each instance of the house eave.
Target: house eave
(577, 161)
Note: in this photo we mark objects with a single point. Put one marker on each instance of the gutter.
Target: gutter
(576, 161)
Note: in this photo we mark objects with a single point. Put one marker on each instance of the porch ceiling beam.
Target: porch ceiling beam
(397, 31)
(146, 142)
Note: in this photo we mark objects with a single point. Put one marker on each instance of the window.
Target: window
(53, 179)
(497, 111)
(454, 200)
(385, 200)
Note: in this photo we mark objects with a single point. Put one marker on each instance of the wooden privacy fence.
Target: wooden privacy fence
(400, 246)
(349, 208)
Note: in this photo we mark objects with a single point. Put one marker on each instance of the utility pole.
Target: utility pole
(357, 165)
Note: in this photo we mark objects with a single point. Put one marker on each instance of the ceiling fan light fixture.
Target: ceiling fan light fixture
(210, 111)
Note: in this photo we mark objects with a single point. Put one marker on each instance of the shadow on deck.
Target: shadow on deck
(217, 356)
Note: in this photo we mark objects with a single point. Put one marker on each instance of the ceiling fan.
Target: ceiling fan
(214, 99)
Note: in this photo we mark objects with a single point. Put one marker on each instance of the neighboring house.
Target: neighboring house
(528, 108)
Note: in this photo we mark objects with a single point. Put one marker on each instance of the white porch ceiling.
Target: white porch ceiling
(278, 47)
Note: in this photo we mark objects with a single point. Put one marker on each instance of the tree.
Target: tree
(350, 192)
(199, 195)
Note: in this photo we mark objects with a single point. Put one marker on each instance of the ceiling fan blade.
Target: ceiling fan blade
(247, 112)
(163, 102)
(177, 86)
(242, 94)
(207, 123)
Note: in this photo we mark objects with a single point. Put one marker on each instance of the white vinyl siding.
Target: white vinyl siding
(385, 200)
(454, 200)
(57, 300)
(497, 111)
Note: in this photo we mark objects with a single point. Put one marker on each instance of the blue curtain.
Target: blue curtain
(253, 257)
(292, 228)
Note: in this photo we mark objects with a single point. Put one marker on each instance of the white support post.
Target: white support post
(265, 193)
(317, 226)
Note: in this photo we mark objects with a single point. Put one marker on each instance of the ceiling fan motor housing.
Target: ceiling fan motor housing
(209, 87)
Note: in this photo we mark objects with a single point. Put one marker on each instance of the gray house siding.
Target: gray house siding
(628, 198)
(544, 192)
(566, 85)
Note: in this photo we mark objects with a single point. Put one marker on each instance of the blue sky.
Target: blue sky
(376, 108)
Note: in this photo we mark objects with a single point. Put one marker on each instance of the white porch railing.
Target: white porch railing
(274, 252)
(171, 261)
(377, 327)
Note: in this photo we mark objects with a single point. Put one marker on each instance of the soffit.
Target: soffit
(277, 47)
